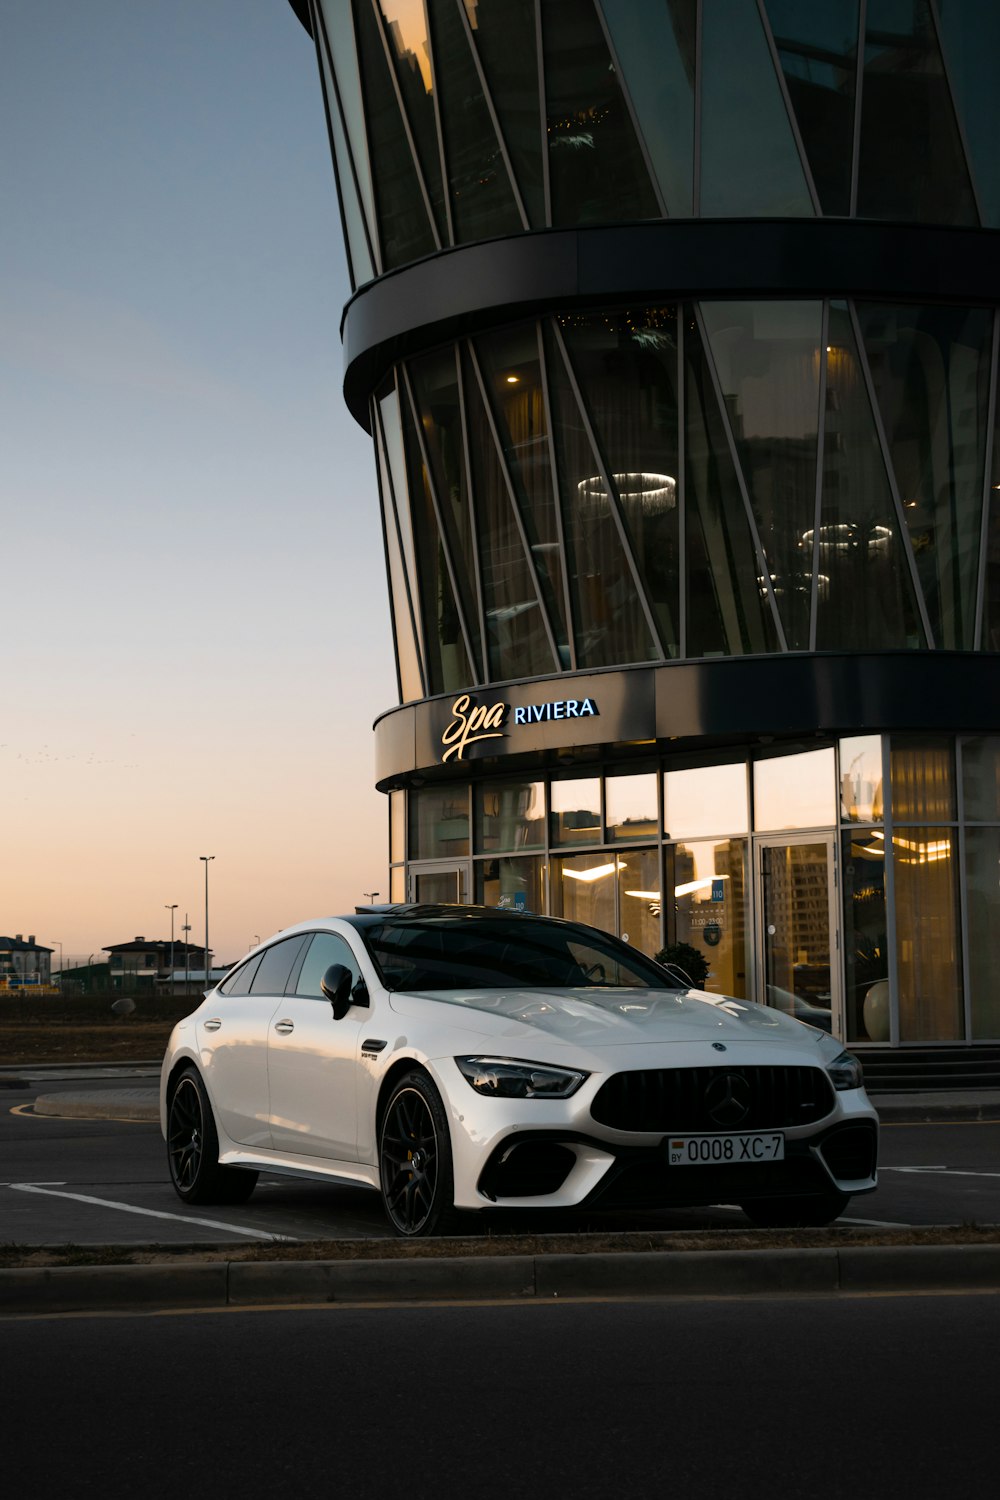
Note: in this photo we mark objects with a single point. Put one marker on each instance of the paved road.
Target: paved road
(872, 1397)
(96, 1182)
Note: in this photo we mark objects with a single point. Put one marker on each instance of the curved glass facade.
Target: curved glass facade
(691, 481)
(488, 117)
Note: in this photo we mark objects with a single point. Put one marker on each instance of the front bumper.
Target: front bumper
(550, 1154)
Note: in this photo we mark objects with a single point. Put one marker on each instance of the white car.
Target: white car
(457, 1058)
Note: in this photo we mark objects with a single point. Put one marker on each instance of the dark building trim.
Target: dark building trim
(459, 291)
(702, 704)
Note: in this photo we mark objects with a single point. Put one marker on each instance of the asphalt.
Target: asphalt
(852, 1269)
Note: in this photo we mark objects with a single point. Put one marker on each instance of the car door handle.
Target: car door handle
(284, 1027)
(213, 1024)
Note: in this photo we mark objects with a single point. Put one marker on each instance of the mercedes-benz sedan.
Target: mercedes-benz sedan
(465, 1058)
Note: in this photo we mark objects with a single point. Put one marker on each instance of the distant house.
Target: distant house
(24, 963)
(143, 965)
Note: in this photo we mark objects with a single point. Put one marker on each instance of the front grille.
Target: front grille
(683, 1099)
(850, 1152)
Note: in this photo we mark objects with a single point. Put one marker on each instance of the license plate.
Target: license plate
(716, 1150)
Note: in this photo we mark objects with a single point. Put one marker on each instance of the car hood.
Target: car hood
(596, 1016)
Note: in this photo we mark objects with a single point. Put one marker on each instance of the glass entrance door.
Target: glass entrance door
(438, 883)
(798, 947)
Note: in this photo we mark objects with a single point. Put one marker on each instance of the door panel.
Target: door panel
(439, 883)
(312, 1061)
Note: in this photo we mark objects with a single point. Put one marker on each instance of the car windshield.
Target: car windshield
(453, 952)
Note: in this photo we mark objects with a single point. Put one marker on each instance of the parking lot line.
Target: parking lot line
(151, 1213)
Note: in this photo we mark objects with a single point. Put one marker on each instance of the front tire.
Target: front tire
(796, 1213)
(414, 1158)
(193, 1148)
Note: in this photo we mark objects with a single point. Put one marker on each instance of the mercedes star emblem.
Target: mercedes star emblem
(727, 1100)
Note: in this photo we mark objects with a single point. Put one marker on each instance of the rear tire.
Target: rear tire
(796, 1213)
(414, 1159)
(193, 1148)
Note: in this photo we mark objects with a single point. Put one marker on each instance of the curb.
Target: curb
(721, 1273)
(123, 1104)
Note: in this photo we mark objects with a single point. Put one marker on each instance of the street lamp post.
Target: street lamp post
(206, 859)
(371, 896)
(171, 909)
(59, 946)
(187, 954)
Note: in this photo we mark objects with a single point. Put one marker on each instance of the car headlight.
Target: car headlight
(845, 1072)
(509, 1078)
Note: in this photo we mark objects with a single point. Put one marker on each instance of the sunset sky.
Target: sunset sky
(195, 626)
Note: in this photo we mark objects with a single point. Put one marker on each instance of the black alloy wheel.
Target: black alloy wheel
(193, 1149)
(414, 1159)
(796, 1213)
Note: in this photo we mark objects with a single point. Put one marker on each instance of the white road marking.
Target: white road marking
(150, 1213)
(948, 1171)
(872, 1223)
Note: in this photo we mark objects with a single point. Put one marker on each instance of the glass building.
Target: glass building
(674, 324)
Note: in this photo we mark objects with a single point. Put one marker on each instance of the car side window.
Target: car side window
(325, 949)
(239, 982)
(276, 966)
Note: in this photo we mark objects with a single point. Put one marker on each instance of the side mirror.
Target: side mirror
(359, 994)
(336, 986)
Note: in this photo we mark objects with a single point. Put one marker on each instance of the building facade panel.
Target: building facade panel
(676, 328)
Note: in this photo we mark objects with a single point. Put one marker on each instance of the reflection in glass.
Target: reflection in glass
(866, 953)
(705, 799)
(749, 161)
(990, 640)
(817, 45)
(512, 373)
(795, 915)
(583, 889)
(970, 39)
(435, 886)
(982, 877)
(923, 778)
(728, 612)
(767, 358)
(865, 595)
(626, 367)
(861, 779)
(911, 164)
(610, 623)
(358, 251)
(931, 371)
(709, 908)
(516, 638)
(575, 807)
(404, 227)
(596, 171)
(928, 967)
(435, 385)
(409, 49)
(397, 883)
(482, 200)
(795, 791)
(397, 826)
(341, 54)
(510, 815)
(439, 822)
(655, 45)
(411, 684)
(503, 34)
(448, 663)
(981, 779)
(631, 807)
(639, 899)
(518, 883)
